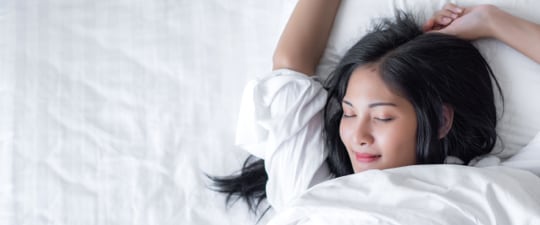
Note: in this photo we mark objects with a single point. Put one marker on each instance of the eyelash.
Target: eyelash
(384, 120)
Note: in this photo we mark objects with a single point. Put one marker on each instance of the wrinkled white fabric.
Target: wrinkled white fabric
(280, 121)
(527, 158)
(421, 194)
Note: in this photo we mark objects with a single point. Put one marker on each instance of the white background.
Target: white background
(112, 110)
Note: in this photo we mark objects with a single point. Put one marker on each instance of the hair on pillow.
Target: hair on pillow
(518, 75)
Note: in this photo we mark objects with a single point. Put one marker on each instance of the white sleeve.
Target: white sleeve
(281, 122)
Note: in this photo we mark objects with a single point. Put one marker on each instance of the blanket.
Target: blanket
(421, 194)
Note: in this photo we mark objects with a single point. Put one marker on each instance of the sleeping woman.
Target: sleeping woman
(402, 95)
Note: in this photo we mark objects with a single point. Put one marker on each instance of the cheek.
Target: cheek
(345, 132)
(389, 139)
(408, 141)
(399, 139)
(411, 132)
(342, 132)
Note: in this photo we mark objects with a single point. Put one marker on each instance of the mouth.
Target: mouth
(365, 157)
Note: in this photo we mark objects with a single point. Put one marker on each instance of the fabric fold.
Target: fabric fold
(281, 122)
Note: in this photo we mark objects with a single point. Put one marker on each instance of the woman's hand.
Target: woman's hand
(443, 17)
(465, 22)
(487, 21)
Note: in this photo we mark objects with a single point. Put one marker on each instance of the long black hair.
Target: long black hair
(430, 70)
(249, 184)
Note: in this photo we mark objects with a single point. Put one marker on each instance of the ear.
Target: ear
(447, 120)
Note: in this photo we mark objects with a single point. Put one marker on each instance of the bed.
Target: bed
(112, 112)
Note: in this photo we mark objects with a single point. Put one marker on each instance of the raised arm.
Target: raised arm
(488, 21)
(303, 41)
(518, 33)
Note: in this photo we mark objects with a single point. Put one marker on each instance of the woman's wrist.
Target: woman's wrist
(520, 34)
(504, 26)
(495, 21)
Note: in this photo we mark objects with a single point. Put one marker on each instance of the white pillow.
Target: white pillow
(518, 75)
(527, 158)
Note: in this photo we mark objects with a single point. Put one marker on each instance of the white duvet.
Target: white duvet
(421, 194)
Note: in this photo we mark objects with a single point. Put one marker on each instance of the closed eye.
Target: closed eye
(384, 119)
(348, 116)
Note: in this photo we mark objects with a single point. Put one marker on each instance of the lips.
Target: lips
(366, 157)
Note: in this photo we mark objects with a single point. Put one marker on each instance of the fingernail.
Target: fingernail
(458, 10)
(446, 20)
(454, 16)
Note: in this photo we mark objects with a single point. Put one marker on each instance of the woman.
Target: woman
(398, 97)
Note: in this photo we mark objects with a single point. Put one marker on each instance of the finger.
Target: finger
(437, 27)
(443, 20)
(453, 8)
(446, 30)
(428, 25)
(442, 17)
(447, 13)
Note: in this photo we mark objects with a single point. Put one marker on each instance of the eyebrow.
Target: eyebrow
(373, 104)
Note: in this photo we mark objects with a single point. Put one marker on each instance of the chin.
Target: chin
(359, 170)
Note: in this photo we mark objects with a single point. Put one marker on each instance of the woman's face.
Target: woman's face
(378, 127)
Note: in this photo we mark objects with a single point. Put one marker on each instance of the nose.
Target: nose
(362, 135)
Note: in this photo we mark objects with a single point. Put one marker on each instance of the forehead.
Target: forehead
(366, 85)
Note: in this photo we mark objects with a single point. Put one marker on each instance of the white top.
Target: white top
(281, 122)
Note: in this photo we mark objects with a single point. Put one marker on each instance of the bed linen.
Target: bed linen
(492, 192)
(112, 111)
(421, 194)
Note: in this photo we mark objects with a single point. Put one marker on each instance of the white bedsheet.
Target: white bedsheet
(112, 110)
(422, 194)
